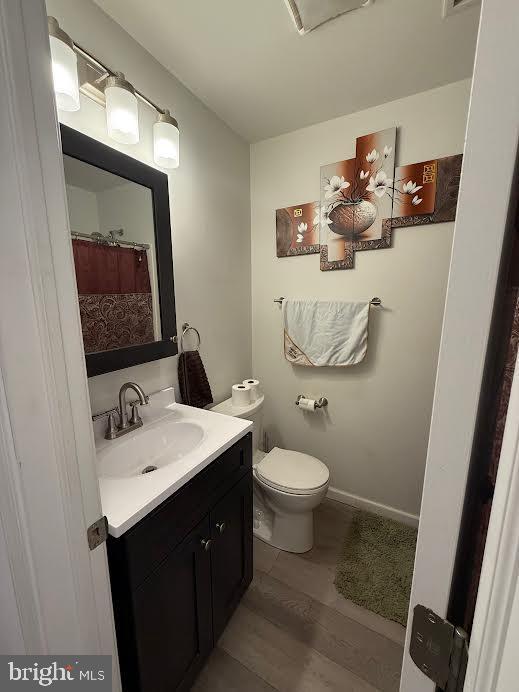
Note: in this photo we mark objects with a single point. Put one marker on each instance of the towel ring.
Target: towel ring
(186, 327)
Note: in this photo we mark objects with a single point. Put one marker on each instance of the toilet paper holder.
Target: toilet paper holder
(319, 403)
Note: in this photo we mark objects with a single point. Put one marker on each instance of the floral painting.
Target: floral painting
(373, 189)
(363, 199)
(415, 189)
(427, 192)
(297, 229)
(356, 198)
(336, 226)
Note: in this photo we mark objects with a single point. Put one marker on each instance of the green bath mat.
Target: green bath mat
(375, 567)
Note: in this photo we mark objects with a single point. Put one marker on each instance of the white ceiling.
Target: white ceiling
(245, 60)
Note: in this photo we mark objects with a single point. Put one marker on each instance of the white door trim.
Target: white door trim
(488, 172)
(48, 486)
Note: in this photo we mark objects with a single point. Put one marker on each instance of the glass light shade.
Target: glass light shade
(122, 112)
(166, 141)
(64, 74)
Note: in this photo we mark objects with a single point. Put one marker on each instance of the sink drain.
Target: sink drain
(148, 469)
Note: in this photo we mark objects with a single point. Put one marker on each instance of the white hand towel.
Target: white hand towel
(319, 333)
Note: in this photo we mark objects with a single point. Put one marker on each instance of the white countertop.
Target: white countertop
(126, 500)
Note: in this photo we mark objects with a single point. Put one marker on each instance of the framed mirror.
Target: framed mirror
(121, 239)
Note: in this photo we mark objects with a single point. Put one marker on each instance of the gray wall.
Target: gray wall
(210, 207)
(374, 434)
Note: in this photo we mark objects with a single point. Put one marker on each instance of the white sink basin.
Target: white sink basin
(149, 449)
(176, 441)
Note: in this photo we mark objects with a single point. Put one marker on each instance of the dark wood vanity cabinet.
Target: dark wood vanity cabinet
(172, 611)
(231, 559)
(178, 575)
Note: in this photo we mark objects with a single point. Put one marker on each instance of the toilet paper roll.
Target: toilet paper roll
(241, 394)
(307, 404)
(254, 385)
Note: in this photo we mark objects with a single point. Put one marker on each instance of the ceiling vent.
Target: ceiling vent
(452, 6)
(309, 14)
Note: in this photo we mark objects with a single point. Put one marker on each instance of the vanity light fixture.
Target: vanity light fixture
(111, 90)
(64, 67)
(166, 141)
(122, 111)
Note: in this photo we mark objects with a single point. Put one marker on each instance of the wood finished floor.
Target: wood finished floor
(294, 633)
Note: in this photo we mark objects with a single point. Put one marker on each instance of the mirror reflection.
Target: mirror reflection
(113, 239)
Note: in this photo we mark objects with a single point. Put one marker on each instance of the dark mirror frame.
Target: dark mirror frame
(79, 146)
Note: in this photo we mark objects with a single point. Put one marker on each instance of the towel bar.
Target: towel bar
(374, 301)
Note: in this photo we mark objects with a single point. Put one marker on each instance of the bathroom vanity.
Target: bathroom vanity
(178, 567)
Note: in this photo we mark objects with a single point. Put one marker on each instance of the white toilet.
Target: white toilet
(288, 486)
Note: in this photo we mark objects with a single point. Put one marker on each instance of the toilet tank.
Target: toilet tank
(252, 412)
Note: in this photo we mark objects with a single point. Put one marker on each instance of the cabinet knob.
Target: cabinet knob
(206, 543)
(221, 526)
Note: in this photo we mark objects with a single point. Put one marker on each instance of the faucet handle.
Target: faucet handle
(135, 419)
(111, 428)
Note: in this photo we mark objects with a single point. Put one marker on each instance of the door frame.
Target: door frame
(49, 491)
(48, 488)
(491, 145)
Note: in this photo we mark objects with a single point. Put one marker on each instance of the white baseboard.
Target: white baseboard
(373, 507)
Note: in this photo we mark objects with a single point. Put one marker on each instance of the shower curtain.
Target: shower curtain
(115, 300)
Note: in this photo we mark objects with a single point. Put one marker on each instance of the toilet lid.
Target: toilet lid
(292, 471)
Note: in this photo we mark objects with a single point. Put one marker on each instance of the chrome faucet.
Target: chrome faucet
(123, 426)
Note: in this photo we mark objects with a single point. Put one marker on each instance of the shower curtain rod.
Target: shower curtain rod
(103, 240)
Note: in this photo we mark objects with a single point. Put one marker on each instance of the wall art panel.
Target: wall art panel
(297, 230)
(414, 208)
(373, 186)
(356, 198)
(337, 215)
(364, 198)
(415, 189)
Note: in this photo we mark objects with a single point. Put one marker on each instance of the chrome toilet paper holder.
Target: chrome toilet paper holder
(319, 403)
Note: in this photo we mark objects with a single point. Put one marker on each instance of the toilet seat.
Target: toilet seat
(292, 472)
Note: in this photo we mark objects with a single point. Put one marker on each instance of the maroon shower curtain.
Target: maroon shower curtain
(115, 300)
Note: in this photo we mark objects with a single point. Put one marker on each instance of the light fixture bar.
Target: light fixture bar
(108, 72)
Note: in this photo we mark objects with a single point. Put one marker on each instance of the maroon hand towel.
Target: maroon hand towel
(194, 385)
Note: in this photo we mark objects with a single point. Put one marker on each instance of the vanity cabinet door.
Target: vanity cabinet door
(231, 551)
(172, 611)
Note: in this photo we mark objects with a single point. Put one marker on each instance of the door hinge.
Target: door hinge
(97, 533)
(439, 649)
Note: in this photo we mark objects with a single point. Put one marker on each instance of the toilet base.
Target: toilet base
(293, 533)
(285, 520)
